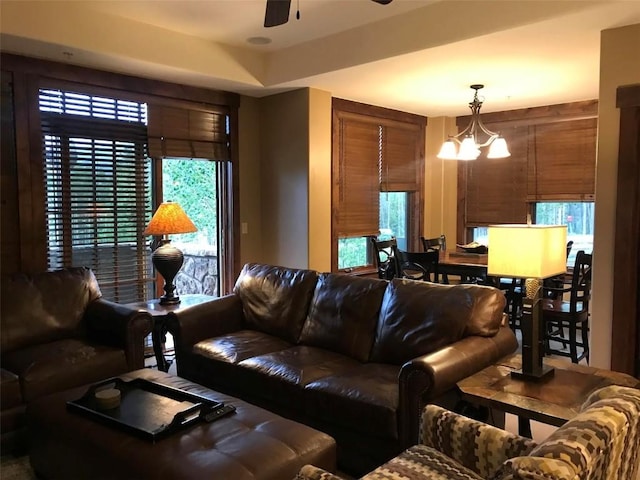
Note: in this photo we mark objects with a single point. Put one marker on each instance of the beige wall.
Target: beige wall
(319, 180)
(441, 182)
(250, 185)
(285, 179)
(619, 65)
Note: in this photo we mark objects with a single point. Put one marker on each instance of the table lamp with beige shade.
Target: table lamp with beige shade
(532, 252)
(169, 219)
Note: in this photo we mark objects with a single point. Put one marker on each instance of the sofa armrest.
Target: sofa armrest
(210, 319)
(425, 378)
(478, 446)
(311, 472)
(115, 324)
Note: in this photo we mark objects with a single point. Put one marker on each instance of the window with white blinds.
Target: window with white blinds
(98, 198)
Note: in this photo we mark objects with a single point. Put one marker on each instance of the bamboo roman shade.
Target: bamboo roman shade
(552, 159)
(357, 177)
(495, 192)
(183, 132)
(96, 177)
(399, 170)
(372, 154)
(565, 162)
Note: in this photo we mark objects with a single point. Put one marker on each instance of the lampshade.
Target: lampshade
(498, 149)
(169, 219)
(474, 136)
(527, 251)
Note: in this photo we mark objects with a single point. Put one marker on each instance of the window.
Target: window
(193, 183)
(577, 216)
(97, 184)
(378, 174)
(394, 222)
(100, 156)
(553, 152)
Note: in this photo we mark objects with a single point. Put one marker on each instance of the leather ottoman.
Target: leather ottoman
(252, 443)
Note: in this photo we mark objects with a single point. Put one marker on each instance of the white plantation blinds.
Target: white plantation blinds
(97, 183)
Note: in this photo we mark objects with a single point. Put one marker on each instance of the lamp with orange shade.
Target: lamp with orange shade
(169, 219)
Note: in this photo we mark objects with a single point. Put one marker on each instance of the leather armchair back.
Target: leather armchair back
(46, 306)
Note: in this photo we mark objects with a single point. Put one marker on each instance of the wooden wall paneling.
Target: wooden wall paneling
(625, 336)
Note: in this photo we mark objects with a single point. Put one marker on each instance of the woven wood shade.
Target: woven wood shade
(186, 133)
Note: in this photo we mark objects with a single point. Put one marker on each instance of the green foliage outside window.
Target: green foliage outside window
(192, 183)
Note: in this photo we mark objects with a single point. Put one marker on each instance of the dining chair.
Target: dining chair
(419, 265)
(573, 315)
(437, 244)
(385, 254)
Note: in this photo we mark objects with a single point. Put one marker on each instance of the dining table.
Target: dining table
(465, 265)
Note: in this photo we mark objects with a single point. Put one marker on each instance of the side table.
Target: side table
(553, 400)
(159, 313)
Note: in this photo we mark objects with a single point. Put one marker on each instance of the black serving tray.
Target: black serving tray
(147, 409)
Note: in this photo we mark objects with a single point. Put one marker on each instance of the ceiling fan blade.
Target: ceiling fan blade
(277, 12)
(383, 2)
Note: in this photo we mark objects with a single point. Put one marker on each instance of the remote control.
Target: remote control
(219, 412)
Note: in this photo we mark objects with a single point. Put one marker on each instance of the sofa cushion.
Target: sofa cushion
(363, 398)
(63, 364)
(45, 306)
(10, 395)
(275, 300)
(487, 308)
(343, 314)
(418, 318)
(238, 346)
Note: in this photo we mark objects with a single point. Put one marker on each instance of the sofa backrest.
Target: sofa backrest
(275, 300)
(343, 314)
(46, 306)
(418, 317)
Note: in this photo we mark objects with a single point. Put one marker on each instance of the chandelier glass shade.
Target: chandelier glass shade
(466, 145)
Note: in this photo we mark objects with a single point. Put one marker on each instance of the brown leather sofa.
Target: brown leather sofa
(58, 333)
(355, 357)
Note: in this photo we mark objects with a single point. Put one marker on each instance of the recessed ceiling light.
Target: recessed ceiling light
(259, 40)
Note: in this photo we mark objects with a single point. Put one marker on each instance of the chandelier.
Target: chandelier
(469, 139)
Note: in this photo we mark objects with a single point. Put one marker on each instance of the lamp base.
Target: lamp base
(535, 375)
(173, 300)
(167, 260)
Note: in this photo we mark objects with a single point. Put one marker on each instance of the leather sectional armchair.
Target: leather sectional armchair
(357, 358)
(57, 332)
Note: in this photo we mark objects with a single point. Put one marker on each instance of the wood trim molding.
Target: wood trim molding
(625, 322)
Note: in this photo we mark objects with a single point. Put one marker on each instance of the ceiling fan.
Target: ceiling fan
(277, 12)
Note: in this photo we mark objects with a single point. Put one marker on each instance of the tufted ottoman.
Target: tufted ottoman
(250, 444)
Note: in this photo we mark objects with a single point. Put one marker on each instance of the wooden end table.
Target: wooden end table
(553, 400)
(159, 313)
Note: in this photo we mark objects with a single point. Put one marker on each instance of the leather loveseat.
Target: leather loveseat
(58, 333)
(357, 358)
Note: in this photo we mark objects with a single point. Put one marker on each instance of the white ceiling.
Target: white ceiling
(417, 56)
